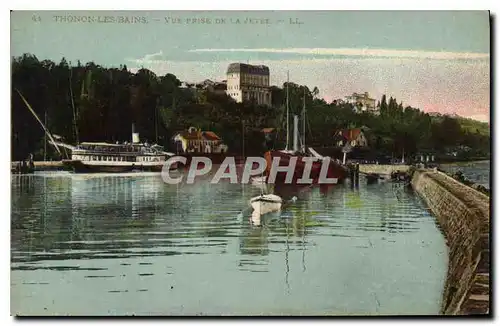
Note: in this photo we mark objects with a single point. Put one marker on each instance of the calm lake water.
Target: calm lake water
(130, 244)
(479, 172)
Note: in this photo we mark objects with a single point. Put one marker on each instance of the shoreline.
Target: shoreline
(471, 161)
(58, 165)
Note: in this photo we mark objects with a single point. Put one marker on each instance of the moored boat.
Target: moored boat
(372, 178)
(106, 157)
(92, 157)
(336, 172)
(266, 203)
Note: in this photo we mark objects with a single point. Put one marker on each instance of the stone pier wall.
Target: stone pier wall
(382, 168)
(464, 216)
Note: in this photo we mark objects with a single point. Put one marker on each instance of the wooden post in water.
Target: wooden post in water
(351, 174)
(357, 174)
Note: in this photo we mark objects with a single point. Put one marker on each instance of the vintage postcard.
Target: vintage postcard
(249, 163)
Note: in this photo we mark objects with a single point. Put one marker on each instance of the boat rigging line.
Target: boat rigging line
(47, 132)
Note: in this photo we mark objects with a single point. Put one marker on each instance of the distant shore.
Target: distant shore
(474, 160)
(58, 165)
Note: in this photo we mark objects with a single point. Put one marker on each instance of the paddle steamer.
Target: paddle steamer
(91, 157)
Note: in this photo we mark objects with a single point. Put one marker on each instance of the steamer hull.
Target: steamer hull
(79, 166)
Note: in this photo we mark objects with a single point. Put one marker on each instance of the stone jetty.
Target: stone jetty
(464, 216)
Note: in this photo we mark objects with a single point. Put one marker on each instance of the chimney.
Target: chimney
(135, 135)
(295, 133)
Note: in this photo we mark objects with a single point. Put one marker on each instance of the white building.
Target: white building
(361, 98)
(362, 102)
(248, 82)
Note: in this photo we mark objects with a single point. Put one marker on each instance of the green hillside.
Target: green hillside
(473, 126)
(468, 125)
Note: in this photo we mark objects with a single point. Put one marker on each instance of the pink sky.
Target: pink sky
(432, 82)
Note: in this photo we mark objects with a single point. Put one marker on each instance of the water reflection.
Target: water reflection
(84, 217)
(478, 172)
(114, 238)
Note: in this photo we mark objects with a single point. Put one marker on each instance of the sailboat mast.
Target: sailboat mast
(304, 123)
(73, 102)
(39, 121)
(45, 140)
(287, 117)
(156, 120)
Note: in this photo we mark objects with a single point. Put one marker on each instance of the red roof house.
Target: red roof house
(354, 136)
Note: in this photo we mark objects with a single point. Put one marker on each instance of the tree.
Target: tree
(108, 100)
(383, 106)
(315, 92)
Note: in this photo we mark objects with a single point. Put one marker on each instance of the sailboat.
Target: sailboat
(265, 203)
(335, 171)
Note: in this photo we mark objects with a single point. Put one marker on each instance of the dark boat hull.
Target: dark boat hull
(215, 158)
(372, 178)
(334, 170)
(80, 167)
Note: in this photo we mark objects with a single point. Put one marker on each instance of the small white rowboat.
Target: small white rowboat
(266, 203)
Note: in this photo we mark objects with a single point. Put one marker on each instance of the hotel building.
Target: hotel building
(248, 82)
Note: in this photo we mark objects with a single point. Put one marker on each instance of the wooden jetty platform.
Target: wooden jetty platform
(38, 166)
